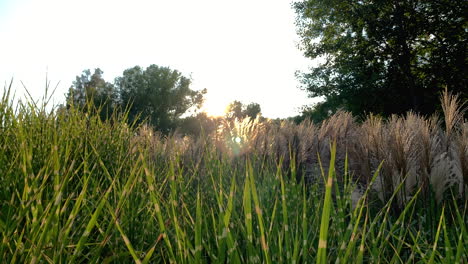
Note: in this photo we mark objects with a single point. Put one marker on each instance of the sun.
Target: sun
(215, 107)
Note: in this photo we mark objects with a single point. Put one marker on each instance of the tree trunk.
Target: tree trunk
(405, 56)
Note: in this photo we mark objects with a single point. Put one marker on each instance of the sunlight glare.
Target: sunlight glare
(215, 108)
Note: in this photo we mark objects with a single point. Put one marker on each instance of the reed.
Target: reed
(78, 189)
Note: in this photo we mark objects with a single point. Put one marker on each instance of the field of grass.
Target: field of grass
(75, 189)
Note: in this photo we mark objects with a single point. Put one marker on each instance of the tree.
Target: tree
(238, 110)
(317, 113)
(198, 125)
(158, 94)
(92, 90)
(235, 110)
(252, 110)
(384, 56)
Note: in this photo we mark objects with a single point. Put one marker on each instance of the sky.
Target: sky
(242, 50)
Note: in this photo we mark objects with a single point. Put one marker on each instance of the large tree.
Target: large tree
(384, 56)
(235, 110)
(92, 90)
(158, 94)
(252, 110)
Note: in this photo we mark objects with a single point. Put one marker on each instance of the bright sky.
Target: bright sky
(239, 50)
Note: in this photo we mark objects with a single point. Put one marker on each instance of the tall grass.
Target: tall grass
(430, 152)
(76, 189)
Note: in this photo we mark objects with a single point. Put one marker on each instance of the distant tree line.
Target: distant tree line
(157, 95)
(384, 57)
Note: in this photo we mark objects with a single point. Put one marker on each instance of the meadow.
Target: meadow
(76, 189)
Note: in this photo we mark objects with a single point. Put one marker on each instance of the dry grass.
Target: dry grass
(417, 150)
(77, 189)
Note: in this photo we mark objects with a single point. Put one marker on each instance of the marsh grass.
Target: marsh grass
(76, 189)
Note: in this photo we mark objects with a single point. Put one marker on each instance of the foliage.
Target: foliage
(237, 110)
(317, 113)
(384, 57)
(92, 88)
(198, 125)
(158, 95)
(252, 110)
(87, 190)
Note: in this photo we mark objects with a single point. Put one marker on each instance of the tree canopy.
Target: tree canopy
(238, 110)
(156, 94)
(159, 94)
(92, 88)
(384, 56)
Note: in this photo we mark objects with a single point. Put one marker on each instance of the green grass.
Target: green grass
(79, 190)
